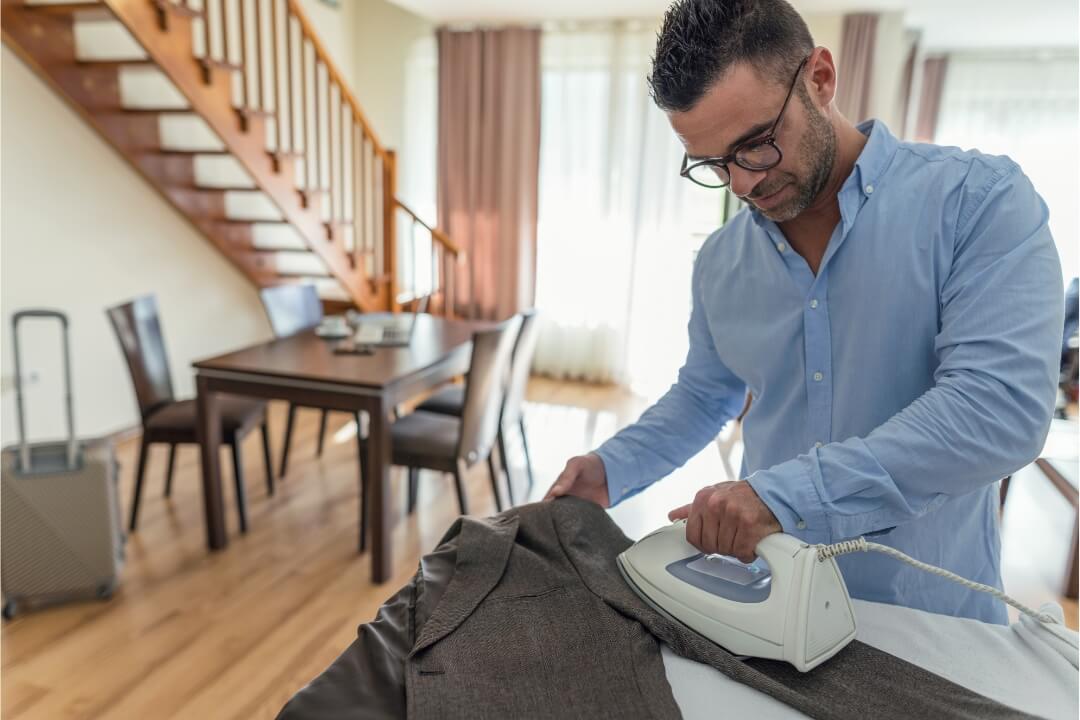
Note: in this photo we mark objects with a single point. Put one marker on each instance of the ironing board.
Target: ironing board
(999, 662)
(996, 661)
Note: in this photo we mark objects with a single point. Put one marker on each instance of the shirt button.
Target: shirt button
(781, 247)
(818, 377)
(869, 189)
(801, 525)
(813, 304)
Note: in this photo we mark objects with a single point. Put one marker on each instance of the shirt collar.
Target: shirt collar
(870, 166)
(875, 156)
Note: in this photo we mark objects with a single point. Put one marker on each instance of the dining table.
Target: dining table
(311, 370)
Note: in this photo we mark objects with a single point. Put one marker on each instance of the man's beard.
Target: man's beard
(817, 152)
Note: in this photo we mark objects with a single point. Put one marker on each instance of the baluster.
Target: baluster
(279, 118)
(357, 171)
(208, 54)
(372, 217)
(289, 80)
(245, 75)
(260, 83)
(379, 178)
(386, 194)
(224, 8)
(316, 125)
(330, 184)
(343, 120)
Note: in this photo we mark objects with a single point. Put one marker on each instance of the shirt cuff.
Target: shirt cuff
(790, 492)
(621, 470)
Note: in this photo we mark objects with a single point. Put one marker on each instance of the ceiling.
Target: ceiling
(945, 24)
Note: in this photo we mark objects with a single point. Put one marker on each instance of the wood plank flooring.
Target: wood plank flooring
(234, 634)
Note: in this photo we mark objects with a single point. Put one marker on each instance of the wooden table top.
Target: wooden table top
(309, 357)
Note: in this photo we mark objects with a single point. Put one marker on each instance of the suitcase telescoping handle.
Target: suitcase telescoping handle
(24, 447)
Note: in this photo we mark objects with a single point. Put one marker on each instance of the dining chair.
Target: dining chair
(293, 309)
(453, 445)
(451, 399)
(166, 420)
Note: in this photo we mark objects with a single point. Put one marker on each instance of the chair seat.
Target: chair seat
(182, 416)
(448, 401)
(424, 439)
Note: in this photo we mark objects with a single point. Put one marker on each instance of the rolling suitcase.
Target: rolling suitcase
(60, 525)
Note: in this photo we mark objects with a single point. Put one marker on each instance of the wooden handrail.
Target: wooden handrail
(322, 55)
(444, 239)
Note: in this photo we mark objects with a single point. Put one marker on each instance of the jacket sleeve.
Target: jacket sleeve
(367, 680)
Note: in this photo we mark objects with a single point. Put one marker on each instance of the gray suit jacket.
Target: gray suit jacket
(525, 615)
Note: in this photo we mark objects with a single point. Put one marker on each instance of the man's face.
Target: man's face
(742, 106)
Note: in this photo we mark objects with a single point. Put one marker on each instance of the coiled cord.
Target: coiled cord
(861, 545)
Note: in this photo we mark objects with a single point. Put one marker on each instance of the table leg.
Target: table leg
(209, 434)
(378, 495)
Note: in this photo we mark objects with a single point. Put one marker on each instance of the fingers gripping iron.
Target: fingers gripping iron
(797, 609)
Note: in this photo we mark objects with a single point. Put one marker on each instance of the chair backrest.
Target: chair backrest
(138, 329)
(485, 386)
(524, 348)
(291, 308)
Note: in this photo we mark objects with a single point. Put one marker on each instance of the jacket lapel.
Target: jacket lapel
(483, 549)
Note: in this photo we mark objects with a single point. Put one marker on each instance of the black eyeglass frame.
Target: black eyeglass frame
(768, 139)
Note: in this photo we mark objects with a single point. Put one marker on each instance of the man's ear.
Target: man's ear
(821, 76)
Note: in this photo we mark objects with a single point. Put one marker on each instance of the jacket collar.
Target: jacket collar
(483, 548)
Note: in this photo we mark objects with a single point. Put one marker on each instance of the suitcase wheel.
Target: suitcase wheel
(104, 592)
(10, 609)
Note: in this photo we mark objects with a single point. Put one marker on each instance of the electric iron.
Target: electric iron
(797, 609)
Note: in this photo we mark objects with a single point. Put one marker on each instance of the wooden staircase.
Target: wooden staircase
(244, 124)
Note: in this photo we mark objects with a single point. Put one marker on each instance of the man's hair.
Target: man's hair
(701, 39)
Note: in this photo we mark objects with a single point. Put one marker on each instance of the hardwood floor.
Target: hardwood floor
(234, 634)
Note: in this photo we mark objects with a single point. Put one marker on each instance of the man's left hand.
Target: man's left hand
(727, 518)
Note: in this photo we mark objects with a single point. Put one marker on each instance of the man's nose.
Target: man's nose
(744, 181)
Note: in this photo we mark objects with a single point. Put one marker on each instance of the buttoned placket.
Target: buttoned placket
(817, 334)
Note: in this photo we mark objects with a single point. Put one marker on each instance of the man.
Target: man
(892, 309)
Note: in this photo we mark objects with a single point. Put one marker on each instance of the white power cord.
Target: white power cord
(861, 545)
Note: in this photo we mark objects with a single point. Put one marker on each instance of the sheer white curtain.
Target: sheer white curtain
(1023, 106)
(618, 228)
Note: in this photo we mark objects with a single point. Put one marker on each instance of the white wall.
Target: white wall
(890, 54)
(81, 231)
(336, 28)
(827, 30)
(385, 38)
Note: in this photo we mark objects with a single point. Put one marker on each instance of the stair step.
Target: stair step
(104, 40)
(220, 64)
(119, 109)
(211, 188)
(167, 152)
(66, 8)
(177, 9)
(249, 114)
(308, 196)
(118, 64)
(286, 156)
(233, 221)
(251, 205)
(295, 262)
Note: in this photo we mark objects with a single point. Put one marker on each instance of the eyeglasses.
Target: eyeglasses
(756, 155)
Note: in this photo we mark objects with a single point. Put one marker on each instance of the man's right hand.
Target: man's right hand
(583, 477)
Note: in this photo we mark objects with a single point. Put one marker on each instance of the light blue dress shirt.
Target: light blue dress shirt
(891, 391)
